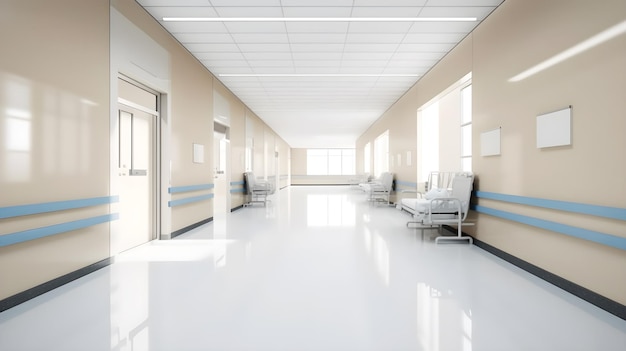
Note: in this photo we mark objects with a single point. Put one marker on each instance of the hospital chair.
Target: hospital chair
(359, 179)
(257, 191)
(379, 189)
(439, 206)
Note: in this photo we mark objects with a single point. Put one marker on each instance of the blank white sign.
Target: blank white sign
(198, 153)
(490, 143)
(554, 128)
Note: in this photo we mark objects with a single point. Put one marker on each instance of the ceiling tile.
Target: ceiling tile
(448, 11)
(432, 57)
(197, 48)
(386, 11)
(270, 63)
(264, 47)
(316, 70)
(368, 55)
(380, 27)
(219, 56)
(317, 63)
(440, 48)
(464, 2)
(194, 27)
(373, 38)
(170, 3)
(271, 55)
(307, 3)
(245, 3)
(330, 66)
(418, 38)
(320, 103)
(316, 38)
(256, 38)
(316, 47)
(317, 27)
(275, 70)
(220, 38)
(255, 27)
(371, 47)
(159, 12)
(442, 27)
(364, 63)
(230, 70)
(249, 11)
(388, 3)
(361, 70)
(317, 11)
(225, 63)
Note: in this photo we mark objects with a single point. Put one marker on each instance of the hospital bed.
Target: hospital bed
(257, 191)
(445, 205)
(379, 189)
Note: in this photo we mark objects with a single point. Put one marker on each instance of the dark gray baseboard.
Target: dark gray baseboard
(592, 297)
(190, 227)
(41, 289)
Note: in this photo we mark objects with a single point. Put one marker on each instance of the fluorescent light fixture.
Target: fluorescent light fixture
(328, 75)
(595, 40)
(319, 19)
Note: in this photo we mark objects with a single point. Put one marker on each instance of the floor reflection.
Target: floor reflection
(442, 324)
(272, 280)
(324, 210)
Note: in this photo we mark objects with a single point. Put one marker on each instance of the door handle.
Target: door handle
(138, 172)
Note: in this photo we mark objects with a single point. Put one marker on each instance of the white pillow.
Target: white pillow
(436, 193)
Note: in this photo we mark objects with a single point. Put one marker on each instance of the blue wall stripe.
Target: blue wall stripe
(32, 234)
(238, 190)
(189, 200)
(601, 238)
(238, 182)
(594, 210)
(187, 188)
(403, 183)
(25, 210)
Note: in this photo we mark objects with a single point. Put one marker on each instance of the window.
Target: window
(381, 154)
(367, 158)
(466, 129)
(330, 162)
(429, 141)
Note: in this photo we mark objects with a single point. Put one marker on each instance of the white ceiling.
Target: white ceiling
(319, 112)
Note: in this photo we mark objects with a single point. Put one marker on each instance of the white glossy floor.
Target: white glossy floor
(317, 269)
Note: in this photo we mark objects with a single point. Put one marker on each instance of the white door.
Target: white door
(136, 179)
(221, 149)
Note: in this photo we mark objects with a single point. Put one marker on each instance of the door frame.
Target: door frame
(156, 145)
(227, 202)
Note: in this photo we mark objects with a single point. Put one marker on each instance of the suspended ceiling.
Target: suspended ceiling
(319, 72)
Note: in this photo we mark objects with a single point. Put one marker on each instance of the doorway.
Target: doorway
(137, 167)
(221, 164)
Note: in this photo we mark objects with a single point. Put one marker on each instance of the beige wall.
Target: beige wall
(57, 98)
(401, 121)
(190, 118)
(298, 162)
(517, 36)
(54, 144)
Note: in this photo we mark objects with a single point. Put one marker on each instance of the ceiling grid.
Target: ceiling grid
(319, 72)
